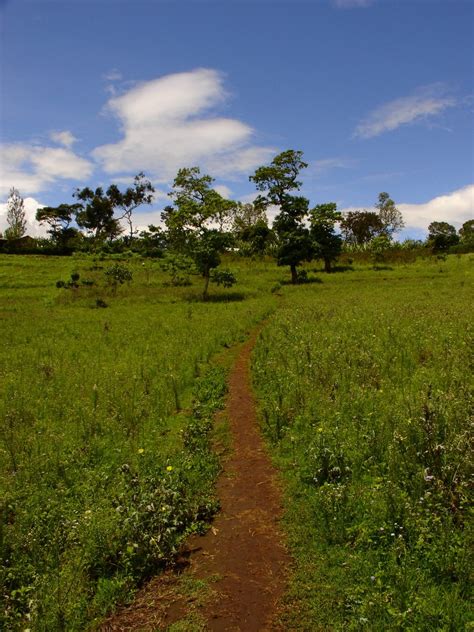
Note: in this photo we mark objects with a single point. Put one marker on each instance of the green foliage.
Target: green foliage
(442, 236)
(226, 278)
(278, 179)
(371, 422)
(326, 243)
(360, 227)
(15, 216)
(118, 275)
(179, 267)
(189, 222)
(92, 407)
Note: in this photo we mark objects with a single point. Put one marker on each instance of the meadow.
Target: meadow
(365, 386)
(364, 379)
(104, 462)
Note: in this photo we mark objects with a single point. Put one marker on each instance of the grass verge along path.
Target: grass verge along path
(242, 556)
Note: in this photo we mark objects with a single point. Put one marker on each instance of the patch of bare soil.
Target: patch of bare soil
(243, 555)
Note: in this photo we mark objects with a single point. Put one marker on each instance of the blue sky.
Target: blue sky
(378, 94)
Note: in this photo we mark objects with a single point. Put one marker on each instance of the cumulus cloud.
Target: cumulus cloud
(32, 168)
(64, 138)
(33, 228)
(168, 123)
(455, 208)
(427, 101)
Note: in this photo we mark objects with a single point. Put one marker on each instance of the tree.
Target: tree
(59, 218)
(390, 216)
(96, 214)
(466, 232)
(360, 227)
(442, 236)
(246, 216)
(140, 193)
(197, 206)
(16, 217)
(277, 180)
(326, 243)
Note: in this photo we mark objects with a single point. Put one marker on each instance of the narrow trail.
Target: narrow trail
(243, 555)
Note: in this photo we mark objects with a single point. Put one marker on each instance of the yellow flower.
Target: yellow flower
(169, 468)
(141, 450)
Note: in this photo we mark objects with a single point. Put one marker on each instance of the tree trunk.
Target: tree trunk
(206, 286)
(327, 264)
(294, 274)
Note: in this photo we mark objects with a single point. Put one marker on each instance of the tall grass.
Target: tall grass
(365, 384)
(104, 464)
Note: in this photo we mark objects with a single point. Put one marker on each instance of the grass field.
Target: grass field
(365, 386)
(96, 486)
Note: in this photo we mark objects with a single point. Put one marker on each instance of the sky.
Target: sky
(378, 94)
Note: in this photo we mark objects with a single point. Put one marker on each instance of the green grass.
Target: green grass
(105, 444)
(97, 404)
(365, 384)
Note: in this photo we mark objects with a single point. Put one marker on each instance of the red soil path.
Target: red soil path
(243, 554)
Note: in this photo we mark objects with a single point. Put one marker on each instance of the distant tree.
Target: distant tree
(378, 248)
(360, 227)
(128, 201)
(59, 218)
(389, 215)
(197, 207)
(442, 236)
(278, 180)
(96, 214)
(326, 243)
(466, 232)
(247, 215)
(16, 217)
(256, 239)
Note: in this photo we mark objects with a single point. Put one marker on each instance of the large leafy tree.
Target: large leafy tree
(277, 181)
(389, 214)
(466, 232)
(326, 242)
(59, 219)
(96, 214)
(442, 236)
(16, 217)
(191, 221)
(360, 227)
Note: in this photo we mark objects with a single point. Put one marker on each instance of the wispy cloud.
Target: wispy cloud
(32, 168)
(319, 167)
(426, 102)
(351, 4)
(169, 122)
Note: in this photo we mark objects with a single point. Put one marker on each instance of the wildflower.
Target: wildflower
(169, 468)
(141, 450)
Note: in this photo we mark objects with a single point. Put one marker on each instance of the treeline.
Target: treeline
(201, 224)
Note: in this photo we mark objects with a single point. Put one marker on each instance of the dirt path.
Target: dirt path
(242, 556)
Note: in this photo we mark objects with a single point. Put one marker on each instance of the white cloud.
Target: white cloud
(167, 123)
(223, 190)
(65, 138)
(351, 4)
(321, 166)
(426, 102)
(33, 228)
(31, 168)
(113, 75)
(455, 208)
